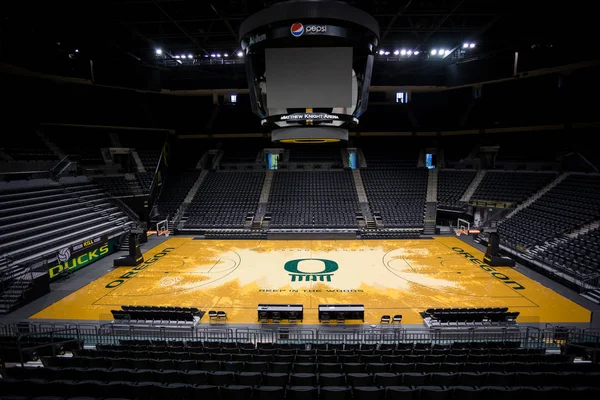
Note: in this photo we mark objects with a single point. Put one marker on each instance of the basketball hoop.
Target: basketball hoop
(466, 231)
(463, 227)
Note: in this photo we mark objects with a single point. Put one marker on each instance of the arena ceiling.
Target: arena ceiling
(62, 37)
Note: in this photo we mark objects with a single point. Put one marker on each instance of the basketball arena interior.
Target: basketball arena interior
(305, 199)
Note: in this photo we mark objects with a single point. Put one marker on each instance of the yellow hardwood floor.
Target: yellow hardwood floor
(388, 277)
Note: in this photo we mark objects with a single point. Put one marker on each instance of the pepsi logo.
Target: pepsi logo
(297, 29)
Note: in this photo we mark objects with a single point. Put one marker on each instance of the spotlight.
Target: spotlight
(441, 52)
(417, 52)
(433, 52)
(446, 52)
(225, 55)
(387, 53)
(403, 52)
(183, 56)
(158, 51)
(213, 55)
(396, 52)
(381, 52)
(218, 55)
(190, 56)
(471, 45)
(465, 45)
(206, 56)
(240, 54)
(409, 52)
(176, 56)
(77, 51)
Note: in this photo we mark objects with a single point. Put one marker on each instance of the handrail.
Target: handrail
(65, 158)
(108, 333)
(135, 218)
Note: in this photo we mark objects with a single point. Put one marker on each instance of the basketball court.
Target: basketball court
(387, 276)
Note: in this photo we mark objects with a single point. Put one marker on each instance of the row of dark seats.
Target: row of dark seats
(34, 340)
(192, 310)
(254, 366)
(143, 315)
(343, 358)
(153, 390)
(475, 317)
(330, 346)
(224, 378)
(31, 348)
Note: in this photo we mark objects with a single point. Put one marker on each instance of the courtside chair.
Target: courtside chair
(385, 319)
(397, 319)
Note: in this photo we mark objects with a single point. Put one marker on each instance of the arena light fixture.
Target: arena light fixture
(190, 56)
(417, 52)
(446, 52)
(76, 50)
(240, 54)
(471, 45)
(465, 45)
(403, 52)
(218, 55)
(381, 52)
(396, 52)
(225, 55)
(387, 53)
(176, 56)
(433, 52)
(158, 51)
(409, 52)
(213, 55)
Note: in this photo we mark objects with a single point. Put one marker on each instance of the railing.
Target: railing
(61, 166)
(126, 209)
(528, 337)
(153, 196)
(590, 283)
(69, 335)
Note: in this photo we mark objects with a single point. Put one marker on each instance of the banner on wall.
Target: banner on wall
(81, 254)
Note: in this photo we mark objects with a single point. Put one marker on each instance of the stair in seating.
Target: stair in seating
(15, 292)
(432, 184)
(138, 161)
(592, 295)
(537, 195)
(256, 225)
(466, 197)
(430, 218)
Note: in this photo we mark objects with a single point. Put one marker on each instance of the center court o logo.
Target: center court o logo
(329, 267)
